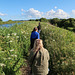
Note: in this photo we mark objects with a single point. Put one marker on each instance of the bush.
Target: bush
(43, 20)
(0, 19)
(14, 47)
(55, 21)
(61, 46)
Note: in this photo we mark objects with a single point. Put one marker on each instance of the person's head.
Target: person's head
(39, 22)
(38, 44)
(35, 29)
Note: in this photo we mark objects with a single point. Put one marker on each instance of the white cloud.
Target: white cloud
(1, 14)
(22, 10)
(32, 13)
(73, 12)
(56, 14)
(55, 7)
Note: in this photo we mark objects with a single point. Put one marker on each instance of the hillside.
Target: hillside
(15, 44)
(61, 46)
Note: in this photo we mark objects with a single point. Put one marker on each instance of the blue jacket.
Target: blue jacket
(34, 35)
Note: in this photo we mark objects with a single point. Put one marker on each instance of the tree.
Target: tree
(54, 21)
(43, 20)
(66, 24)
(0, 19)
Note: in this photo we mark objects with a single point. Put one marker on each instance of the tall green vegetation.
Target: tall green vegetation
(14, 47)
(61, 46)
(15, 43)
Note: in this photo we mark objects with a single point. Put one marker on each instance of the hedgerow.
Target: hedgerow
(61, 46)
(14, 47)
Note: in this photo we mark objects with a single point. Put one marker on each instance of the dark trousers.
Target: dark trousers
(32, 43)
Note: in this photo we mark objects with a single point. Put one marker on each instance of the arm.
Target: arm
(31, 56)
(38, 37)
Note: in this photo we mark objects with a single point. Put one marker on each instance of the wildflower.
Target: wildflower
(53, 40)
(11, 50)
(21, 31)
(8, 36)
(9, 58)
(17, 36)
(45, 27)
(2, 51)
(7, 42)
(1, 64)
(10, 41)
(14, 33)
(14, 55)
(25, 36)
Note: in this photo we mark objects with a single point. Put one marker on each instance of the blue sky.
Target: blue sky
(35, 9)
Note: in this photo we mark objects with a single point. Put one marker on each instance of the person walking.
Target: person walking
(39, 28)
(38, 58)
(34, 35)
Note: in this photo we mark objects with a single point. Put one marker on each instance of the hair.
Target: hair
(37, 44)
(39, 23)
(35, 28)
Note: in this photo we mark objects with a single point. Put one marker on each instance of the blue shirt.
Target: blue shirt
(34, 35)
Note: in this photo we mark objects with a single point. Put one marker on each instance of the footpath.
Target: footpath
(25, 69)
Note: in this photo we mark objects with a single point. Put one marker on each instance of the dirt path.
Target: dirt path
(25, 69)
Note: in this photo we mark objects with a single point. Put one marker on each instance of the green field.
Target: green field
(15, 43)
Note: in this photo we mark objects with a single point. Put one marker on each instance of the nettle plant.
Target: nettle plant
(61, 46)
(14, 47)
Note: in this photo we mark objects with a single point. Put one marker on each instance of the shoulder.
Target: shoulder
(37, 33)
(45, 50)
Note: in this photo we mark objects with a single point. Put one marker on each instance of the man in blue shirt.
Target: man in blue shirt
(34, 36)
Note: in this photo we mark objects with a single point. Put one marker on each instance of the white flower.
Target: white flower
(1, 64)
(9, 58)
(21, 31)
(14, 33)
(11, 50)
(25, 36)
(14, 55)
(1, 51)
(45, 27)
(8, 36)
(10, 41)
(17, 36)
(53, 40)
(7, 42)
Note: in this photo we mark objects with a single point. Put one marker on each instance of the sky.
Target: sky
(36, 9)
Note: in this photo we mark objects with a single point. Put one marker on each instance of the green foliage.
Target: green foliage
(14, 47)
(66, 24)
(61, 46)
(43, 20)
(15, 43)
(0, 19)
(54, 21)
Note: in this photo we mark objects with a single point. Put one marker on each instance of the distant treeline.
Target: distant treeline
(10, 21)
(68, 24)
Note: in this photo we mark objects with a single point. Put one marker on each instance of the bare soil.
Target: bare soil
(25, 69)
